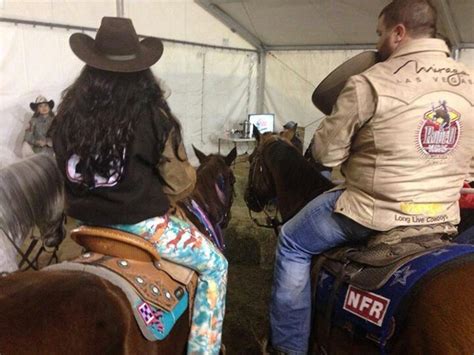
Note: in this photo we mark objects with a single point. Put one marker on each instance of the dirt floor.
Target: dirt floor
(250, 251)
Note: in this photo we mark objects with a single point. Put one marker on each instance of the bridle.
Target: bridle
(257, 168)
(214, 230)
(226, 198)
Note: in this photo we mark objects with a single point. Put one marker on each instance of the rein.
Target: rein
(272, 222)
(214, 231)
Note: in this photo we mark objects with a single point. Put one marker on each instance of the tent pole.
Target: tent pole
(120, 8)
(456, 54)
(231, 23)
(262, 64)
(93, 29)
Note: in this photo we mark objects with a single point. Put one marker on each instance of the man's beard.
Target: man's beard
(384, 51)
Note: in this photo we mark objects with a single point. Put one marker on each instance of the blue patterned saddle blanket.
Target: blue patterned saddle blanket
(373, 314)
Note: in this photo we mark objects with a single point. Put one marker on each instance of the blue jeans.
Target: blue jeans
(315, 229)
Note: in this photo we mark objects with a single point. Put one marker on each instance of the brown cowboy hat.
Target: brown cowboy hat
(41, 100)
(116, 47)
(325, 95)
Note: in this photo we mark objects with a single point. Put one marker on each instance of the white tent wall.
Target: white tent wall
(290, 79)
(212, 89)
(33, 61)
(467, 57)
(173, 19)
(85, 13)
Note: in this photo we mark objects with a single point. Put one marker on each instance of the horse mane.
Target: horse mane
(205, 193)
(31, 194)
(290, 169)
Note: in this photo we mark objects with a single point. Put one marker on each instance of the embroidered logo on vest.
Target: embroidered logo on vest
(440, 130)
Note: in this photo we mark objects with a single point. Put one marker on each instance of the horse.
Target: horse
(438, 317)
(55, 312)
(24, 186)
(293, 181)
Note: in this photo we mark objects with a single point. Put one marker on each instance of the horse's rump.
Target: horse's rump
(78, 312)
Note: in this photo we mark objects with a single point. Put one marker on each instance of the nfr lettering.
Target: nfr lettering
(366, 305)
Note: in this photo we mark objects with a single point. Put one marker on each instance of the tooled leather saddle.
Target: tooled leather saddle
(159, 291)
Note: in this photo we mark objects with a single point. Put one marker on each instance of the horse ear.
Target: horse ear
(287, 134)
(200, 155)
(229, 159)
(256, 133)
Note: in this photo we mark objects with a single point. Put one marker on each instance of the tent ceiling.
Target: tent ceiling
(306, 24)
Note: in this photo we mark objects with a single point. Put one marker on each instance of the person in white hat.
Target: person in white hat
(36, 134)
(402, 132)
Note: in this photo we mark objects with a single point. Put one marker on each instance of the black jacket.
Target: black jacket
(137, 196)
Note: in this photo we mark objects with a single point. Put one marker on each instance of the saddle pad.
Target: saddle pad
(369, 268)
(156, 310)
(373, 314)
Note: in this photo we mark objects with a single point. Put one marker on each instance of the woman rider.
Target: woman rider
(111, 130)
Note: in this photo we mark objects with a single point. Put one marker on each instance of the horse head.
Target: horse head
(31, 194)
(213, 194)
(260, 185)
(278, 170)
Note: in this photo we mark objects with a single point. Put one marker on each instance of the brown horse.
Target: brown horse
(439, 319)
(60, 312)
(277, 169)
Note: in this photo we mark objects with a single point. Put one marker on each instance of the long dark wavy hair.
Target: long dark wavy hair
(98, 115)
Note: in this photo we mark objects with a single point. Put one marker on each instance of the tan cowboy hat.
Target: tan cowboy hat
(116, 47)
(41, 100)
(325, 95)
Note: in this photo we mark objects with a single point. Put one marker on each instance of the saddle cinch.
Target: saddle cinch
(158, 290)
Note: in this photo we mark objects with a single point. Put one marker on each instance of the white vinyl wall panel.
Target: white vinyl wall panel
(73, 12)
(212, 91)
(467, 57)
(206, 97)
(291, 78)
(174, 19)
(33, 61)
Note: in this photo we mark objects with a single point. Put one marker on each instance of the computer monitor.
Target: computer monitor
(265, 122)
